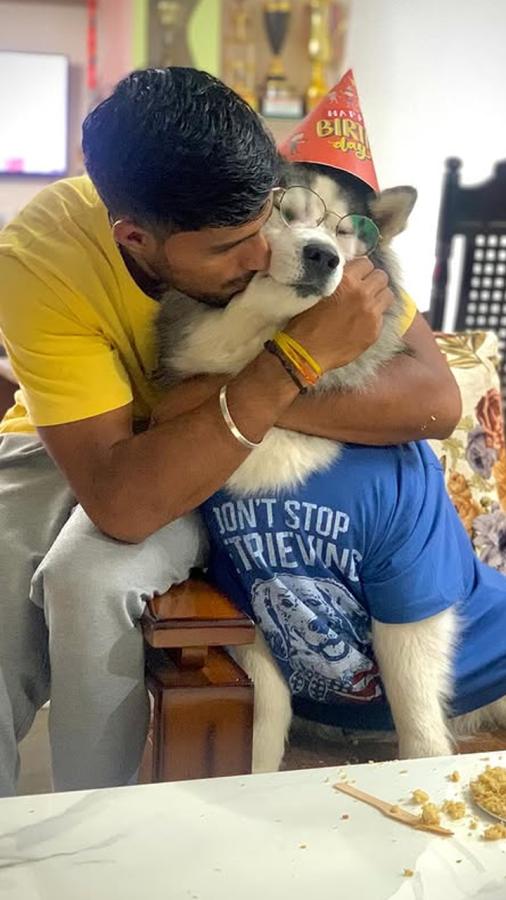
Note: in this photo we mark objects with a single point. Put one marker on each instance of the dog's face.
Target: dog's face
(323, 224)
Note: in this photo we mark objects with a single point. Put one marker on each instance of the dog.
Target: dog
(321, 578)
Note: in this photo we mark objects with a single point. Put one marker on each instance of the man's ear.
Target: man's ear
(133, 237)
(390, 210)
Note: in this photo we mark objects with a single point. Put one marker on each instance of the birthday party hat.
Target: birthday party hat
(333, 134)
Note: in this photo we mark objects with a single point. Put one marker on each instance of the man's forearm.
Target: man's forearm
(180, 463)
(401, 405)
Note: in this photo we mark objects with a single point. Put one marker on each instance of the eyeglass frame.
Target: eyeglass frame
(276, 191)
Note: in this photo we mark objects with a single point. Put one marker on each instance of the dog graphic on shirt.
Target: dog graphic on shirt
(319, 633)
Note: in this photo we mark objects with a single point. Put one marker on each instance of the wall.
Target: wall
(49, 28)
(140, 15)
(204, 35)
(116, 22)
(431, 77)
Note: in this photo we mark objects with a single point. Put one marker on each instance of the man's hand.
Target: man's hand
(345, 324)
(413, 397)
(187, 396)
(341, 327)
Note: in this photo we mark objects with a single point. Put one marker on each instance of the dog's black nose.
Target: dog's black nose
(319, 260)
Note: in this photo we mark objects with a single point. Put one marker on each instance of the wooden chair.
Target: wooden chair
(478, 213)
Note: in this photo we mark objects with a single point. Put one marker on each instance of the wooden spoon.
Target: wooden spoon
(392, 811)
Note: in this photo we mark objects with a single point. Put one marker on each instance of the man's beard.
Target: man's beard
(234, 288)
(169, 278)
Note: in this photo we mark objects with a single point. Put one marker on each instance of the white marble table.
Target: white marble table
(254, 838)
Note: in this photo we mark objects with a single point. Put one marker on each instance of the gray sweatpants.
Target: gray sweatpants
(70, 603)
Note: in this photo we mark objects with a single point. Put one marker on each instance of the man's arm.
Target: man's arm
(413, 397)
(131, 485)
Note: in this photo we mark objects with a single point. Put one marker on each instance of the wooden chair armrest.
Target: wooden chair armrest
(194, 614)
(202, 699)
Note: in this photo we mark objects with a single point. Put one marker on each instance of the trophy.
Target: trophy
(239, 52)
(278, 98)
(319, 52)
(171, 25)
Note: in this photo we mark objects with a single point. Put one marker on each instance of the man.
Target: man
(95, 510)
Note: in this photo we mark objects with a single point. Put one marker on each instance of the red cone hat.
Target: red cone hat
(333, 134)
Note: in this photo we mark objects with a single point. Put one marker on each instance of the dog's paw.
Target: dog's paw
(266, 760)
(421, 748)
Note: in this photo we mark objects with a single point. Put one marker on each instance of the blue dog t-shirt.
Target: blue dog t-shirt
(376, 535)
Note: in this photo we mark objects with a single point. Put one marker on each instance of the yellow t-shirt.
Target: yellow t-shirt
(76, 327)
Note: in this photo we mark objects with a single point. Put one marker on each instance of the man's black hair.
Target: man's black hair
(177, 149)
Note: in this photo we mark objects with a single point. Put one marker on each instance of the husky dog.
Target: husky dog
(306, 265)
(317, 635)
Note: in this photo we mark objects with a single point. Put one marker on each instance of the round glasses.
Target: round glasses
(301, 206)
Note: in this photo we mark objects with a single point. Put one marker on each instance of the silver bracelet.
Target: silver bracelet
(229, 422)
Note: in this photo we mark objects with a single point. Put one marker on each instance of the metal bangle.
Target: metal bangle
(229, 422)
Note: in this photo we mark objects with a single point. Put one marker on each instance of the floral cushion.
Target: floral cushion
(474, 457)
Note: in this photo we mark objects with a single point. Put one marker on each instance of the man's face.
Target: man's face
(213, 264)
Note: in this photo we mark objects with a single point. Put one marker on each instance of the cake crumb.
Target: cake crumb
(302, 846)
(473, 824)
(430, 814)
(408, 873)
(345, 816)
(455, 809)
(489, 790)
(419, 796)
(455, 776)
(495, 832)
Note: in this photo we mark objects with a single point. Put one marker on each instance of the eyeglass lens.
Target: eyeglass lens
(302, 206)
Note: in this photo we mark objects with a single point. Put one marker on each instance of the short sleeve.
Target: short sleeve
(415, 568)
(67, 369)
(409, 312)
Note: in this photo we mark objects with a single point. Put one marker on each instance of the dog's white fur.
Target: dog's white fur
(415, 660)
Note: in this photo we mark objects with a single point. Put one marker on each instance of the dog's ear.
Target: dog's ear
(390, 210)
